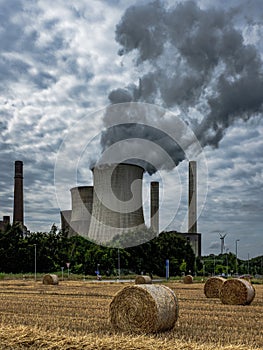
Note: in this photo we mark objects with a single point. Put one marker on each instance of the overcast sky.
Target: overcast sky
(62, 63)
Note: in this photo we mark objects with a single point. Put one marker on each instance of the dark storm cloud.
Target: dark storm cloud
(126, 131)
(192, 58)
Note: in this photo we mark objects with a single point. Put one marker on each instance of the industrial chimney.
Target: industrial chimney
(18, 214)
(192, 199)
(81, 199)
(155, 207)
(117, 201)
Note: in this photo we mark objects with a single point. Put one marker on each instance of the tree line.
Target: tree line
(53, 250)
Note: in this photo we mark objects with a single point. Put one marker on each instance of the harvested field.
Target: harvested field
(75, 315)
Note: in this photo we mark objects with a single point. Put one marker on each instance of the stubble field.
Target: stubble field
(75, 315)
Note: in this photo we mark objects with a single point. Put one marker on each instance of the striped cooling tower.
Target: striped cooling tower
(117, 201)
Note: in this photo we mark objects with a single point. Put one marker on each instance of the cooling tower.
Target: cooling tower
(18, 213)
(155, 206)
(192, 199)
(81, 199)
(65, 217)
(117, 201)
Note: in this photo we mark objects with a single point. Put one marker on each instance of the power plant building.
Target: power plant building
(113, 205)
(5, 222)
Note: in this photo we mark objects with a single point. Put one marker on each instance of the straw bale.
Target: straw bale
(143, 280)
(145, 308)
(188, 279)
(237, 291)
(212, 286)
(50, 279)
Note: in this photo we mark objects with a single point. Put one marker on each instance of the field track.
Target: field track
(74, 315)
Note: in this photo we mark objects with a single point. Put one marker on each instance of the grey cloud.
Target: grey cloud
(43, 80)
(214, 245)
(20, 41)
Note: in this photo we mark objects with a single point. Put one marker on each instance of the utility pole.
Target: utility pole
(119, 264)
(227, 262)
(35, 262)
(237, 240)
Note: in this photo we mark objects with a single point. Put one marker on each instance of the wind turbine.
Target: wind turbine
(222, 238)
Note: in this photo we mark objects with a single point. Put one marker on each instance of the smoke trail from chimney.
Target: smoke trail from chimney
(192, 59)
(152, 153)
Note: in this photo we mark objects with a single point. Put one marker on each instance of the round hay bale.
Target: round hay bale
(188, 279)
(143, 280)
(212, 287)
(237, 291)
(145, 308)
(50, 279)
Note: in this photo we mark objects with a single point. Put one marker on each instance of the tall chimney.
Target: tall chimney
(192, 196)
(155, 206)
(18, 214)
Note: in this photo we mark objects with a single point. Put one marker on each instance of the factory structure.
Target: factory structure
(113, 205)
(18, 209)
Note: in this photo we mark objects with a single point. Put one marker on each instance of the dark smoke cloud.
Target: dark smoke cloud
(123, 132)
(191, 58)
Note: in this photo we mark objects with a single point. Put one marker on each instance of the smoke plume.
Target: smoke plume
(192, 59)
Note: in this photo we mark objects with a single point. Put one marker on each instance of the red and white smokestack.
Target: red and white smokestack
(155, 206)
(18, 213)
(192, 199)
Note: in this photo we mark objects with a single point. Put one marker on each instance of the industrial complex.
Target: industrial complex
(113, 205)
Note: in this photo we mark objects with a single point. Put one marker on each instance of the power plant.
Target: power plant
(113, 205)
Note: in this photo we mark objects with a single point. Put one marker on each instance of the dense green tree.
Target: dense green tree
(54, 249)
